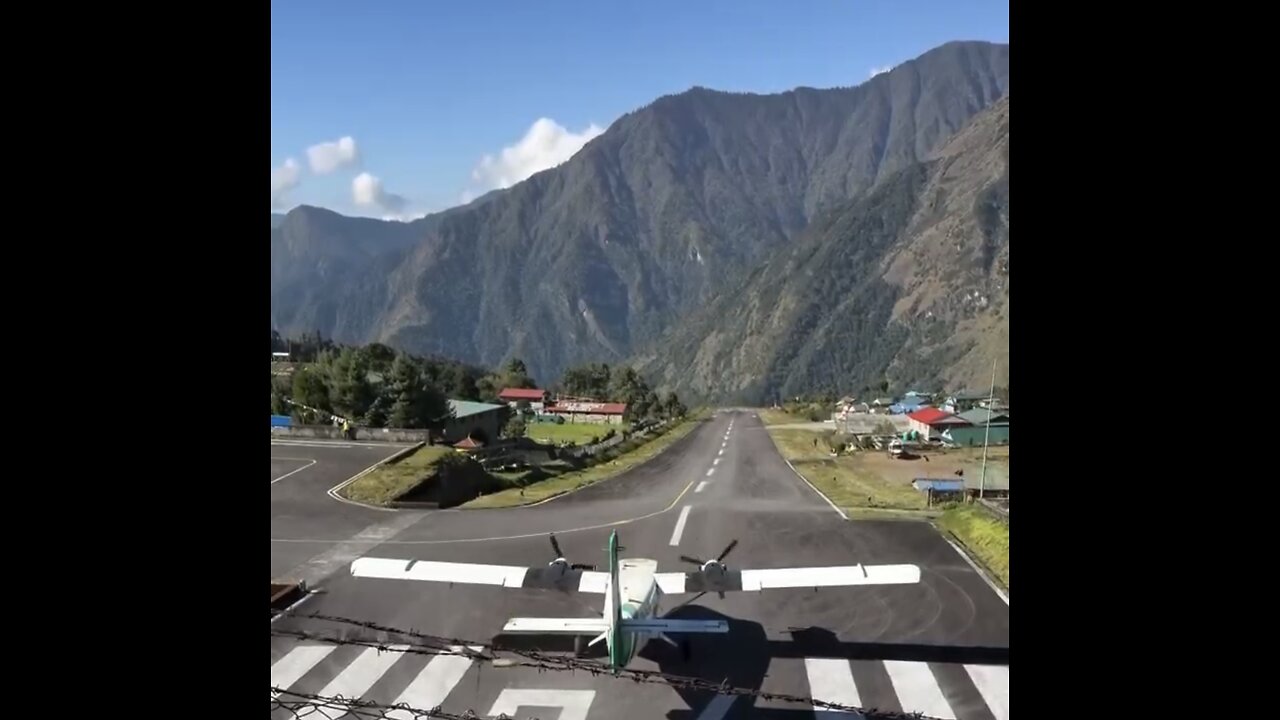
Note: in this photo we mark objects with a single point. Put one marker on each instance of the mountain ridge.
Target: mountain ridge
(676, 203)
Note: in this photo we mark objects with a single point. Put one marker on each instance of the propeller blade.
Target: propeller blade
(556, 546)
(582, 566)
(727, 550)
(688, 559)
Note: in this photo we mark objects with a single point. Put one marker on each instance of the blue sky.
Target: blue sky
(426, 90)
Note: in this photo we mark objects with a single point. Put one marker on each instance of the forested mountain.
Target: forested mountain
(677, 207)
(909, 281)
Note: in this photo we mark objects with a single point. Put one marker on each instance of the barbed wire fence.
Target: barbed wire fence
(398, 640)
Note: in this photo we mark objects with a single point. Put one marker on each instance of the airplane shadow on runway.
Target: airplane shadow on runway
(741, 659)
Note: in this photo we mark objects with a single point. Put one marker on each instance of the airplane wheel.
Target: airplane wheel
(577, 646)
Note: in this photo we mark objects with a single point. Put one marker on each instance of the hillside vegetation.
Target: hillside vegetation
(698, 200)
(909, 281)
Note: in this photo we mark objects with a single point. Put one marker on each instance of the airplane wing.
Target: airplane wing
(511, 576)
(556, 626)
(800, 577)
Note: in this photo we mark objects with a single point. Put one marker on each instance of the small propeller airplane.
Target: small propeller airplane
(633, 591)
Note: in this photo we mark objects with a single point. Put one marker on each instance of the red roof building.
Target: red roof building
(931, 422)
(518, 394)
(596, 412)
(468, 443)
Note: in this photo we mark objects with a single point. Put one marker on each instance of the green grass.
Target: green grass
(851, 482)
(390, 481)
(577, 433)
(982, 534)
(564, 480)
(779, 417)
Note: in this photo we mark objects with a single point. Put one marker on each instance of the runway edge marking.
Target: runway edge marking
(977, 568)
(310, 462)
(806, 480)
(333, 491)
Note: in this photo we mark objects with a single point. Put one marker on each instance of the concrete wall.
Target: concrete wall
(329, 432)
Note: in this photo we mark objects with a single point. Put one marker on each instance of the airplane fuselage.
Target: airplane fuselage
(640, 598)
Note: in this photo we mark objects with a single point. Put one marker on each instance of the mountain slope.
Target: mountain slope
(908, 282)
(671, 207)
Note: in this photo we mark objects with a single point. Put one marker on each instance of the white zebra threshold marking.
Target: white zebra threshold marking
(573, 704)
(430, 688)
(290, 668)
(917, 689)
(992, 682)
(831, 680)
(363, 672)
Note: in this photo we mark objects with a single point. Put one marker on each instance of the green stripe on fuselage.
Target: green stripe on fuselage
(619, 641)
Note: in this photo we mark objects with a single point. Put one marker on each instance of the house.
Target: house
(589, 412)
(467, 444)
(908, 405)
(976, 433)
(932, 422)
(536, 398)
(476, 420)
(881, 405)
(940, 490)
(963, 400)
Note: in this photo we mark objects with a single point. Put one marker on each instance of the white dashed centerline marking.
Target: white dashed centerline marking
(715, 462)
(684, 515)
(710, 471)
(701, 485)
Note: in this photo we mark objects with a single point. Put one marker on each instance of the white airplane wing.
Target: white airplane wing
(799, 577)
(511, 576)
(556, 626)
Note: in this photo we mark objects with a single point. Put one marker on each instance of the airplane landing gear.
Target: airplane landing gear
(577, 646)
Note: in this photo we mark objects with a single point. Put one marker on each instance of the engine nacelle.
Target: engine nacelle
(714, 570)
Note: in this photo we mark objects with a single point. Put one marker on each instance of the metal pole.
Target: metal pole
(982, 483)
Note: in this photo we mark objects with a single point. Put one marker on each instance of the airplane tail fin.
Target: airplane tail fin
(615, 603)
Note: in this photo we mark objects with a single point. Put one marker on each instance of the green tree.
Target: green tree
(515, 427)
(310, 389)
(415, 404)
(352, 394)
(672, 407)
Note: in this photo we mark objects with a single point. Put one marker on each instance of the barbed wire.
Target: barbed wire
(308, 705)
(541, 661)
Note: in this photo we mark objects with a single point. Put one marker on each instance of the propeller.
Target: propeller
(717, 563)
(555, 545)
(719, 558)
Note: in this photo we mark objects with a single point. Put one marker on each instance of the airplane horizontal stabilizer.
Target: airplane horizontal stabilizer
(557, 626)
(675, 626)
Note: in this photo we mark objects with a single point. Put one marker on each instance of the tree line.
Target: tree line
(620, 384)
(377, 386)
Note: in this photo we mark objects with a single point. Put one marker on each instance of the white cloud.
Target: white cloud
(283, 179)
(327, 157)
(368, 191)
(545, 145)
(879, 71)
